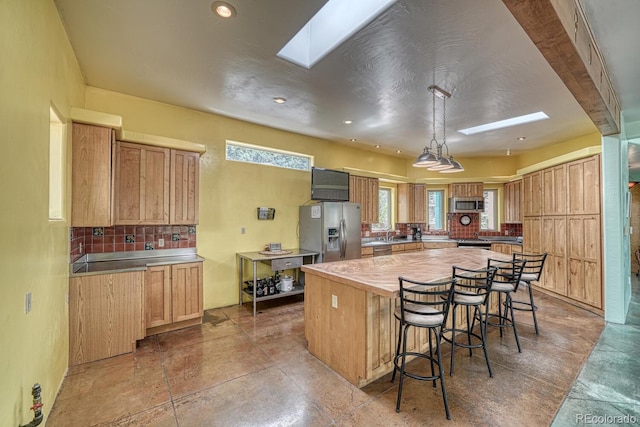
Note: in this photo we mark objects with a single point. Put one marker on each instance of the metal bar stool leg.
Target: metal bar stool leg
(509, 302)
(533, 308)
(444, 390)
(483, 332)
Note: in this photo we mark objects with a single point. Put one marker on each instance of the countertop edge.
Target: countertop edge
(75, 269)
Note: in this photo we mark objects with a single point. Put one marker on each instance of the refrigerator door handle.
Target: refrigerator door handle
(343, 238)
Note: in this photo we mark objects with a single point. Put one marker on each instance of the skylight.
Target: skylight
(514, 121)
(333, 24)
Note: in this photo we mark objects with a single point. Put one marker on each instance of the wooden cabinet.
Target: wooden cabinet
(584, 259)
(466, 189)
(364, 191)
(532, 194)
(405, 247)
(91, 176)
(583, 178)
(512, 202)
(505, 248)
(173, 297)
(183, 197)
(141, 184)
(554, 190)
(531, 233)
(412, 203)
(554, 230)
(366, 252)
(439, 245)
(106, 315)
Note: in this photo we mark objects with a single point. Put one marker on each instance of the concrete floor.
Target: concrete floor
(607, 390)
(237, 370)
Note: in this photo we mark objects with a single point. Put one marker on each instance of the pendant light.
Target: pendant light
(437, 161)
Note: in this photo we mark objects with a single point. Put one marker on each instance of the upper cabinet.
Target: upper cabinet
(183, 199)
(513, 202)
(554, 188)
(412, 203)
(532, 192)
(466, 189)
(91, 176)
(584, 186)
(364, 190)
(141, 191)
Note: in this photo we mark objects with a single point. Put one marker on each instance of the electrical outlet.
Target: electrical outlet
(27, 303)
(242, 230)
(161, 243)
(334, 301)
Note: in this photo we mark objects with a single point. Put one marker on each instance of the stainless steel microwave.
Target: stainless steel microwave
(466, 204)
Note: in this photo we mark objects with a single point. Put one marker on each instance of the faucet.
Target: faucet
(388, 231)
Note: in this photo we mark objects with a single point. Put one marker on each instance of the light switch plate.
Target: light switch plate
(334, 301)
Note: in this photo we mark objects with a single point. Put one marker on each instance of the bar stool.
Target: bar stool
(506, 281)
(471, 290)
(422, 305)
(531, 273)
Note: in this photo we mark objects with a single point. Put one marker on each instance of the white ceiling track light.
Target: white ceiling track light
(436, 161)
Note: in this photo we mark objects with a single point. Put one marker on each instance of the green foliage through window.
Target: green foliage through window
(384, 210)
(489, 218)
(435, 200)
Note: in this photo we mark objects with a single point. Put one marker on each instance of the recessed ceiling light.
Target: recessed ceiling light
(279, 100)
(508, 152)
(521, 138)
(527, 118)
(348, 122)
(398, 151)
(223, 9)
(377, 145)
(353, 140)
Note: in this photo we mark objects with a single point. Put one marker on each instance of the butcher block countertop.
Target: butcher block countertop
(379, 275)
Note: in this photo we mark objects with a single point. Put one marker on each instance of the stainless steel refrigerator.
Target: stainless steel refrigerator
(332, 229)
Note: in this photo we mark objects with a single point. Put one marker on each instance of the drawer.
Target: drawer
(286, 263)
(366, 251)
(410, 246)
(439, 245)
(397, 248)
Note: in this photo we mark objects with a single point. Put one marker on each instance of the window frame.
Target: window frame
(376, 227)
(268, 150)
(494, 208)
(442, 213)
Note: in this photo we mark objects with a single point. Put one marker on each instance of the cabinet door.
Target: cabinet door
(185, 177)
(512, 200)
(406, 204)
(532, 189)
(554, 230)
(584, 254)
(186, 291)
(584, 186)
(373, 202)
(91, 176)
(475, 189)
(554, 190)
(531, 231)
(419, 203)
(141, 184)
(157, 296)
(105, 315)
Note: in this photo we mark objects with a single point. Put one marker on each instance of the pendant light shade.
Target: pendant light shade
(437, 161)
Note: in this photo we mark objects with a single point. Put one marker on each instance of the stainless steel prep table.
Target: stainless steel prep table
(255, 258)
(119, 262)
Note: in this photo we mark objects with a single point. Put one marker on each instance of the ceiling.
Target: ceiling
(179, 52)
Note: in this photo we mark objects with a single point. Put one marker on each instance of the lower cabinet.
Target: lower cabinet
(584, 255)
(366, 252)
(439, 245)
(172, 297)
(106, 315)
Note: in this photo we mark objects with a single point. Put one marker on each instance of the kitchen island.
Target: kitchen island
(349, 307)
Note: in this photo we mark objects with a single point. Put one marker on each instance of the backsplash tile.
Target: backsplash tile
(124, 238)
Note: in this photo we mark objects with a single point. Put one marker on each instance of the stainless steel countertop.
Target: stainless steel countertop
(120, 262)
(372, 242)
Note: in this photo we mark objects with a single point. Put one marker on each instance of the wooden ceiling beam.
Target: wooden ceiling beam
(560, 31)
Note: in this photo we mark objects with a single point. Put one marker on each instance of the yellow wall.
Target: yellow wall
(230, 192)
(38, 68)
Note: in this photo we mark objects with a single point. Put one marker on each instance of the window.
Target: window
(384, 210)
(56, 166)
(489, 218)
(241, 152)
(435, 209)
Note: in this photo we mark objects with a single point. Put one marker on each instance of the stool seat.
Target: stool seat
(531, 273)
(422, 305)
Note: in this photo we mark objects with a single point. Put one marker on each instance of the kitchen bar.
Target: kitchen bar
(349, 306)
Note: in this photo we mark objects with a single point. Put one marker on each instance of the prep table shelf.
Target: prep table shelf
(293, 260)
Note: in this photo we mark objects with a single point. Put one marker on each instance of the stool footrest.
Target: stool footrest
(416, 376)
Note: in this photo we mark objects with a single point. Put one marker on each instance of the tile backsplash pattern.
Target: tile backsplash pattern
(125, 238)
(455, 229)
